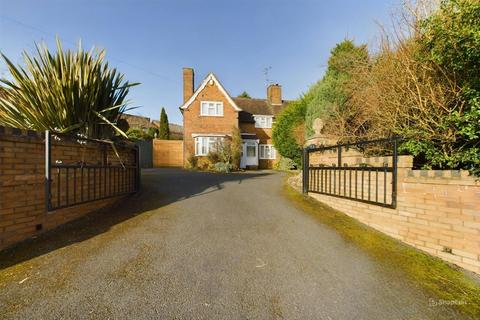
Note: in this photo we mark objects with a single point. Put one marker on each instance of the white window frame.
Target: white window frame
(262, 152)
(251, 144)
(203, 144)
(217, 105)
(262, 121)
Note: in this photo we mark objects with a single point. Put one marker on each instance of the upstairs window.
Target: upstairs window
(267, 151)
(263, 121)
(211, 108)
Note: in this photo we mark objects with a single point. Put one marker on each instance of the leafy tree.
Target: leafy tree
(328, 96)
(152, 132)
(164, 131)
(284, 129)
(245, 95)
(65, 91)
(422, 84)
(137, 134)
(450, 40)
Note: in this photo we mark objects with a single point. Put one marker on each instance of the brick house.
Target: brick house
(137, 122)
(210, 114)
(143, 123)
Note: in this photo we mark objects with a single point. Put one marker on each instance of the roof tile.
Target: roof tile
(252, 107)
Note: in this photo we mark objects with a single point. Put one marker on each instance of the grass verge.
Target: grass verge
(439, 279)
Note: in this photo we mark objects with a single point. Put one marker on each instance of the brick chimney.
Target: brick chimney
(274, 94)
(188, 83)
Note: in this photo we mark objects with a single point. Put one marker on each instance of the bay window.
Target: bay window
(204, 145)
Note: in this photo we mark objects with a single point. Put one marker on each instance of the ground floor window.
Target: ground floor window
(267, 151)
(204, 145)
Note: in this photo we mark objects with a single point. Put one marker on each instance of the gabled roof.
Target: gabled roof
(174, 128)
(251, 107)
(208, 78)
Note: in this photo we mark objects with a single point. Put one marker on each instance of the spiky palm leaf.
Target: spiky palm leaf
(67, 91)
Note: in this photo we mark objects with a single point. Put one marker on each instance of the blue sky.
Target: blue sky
(150, 41)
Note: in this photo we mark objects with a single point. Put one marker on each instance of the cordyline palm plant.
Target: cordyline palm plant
(67, 91)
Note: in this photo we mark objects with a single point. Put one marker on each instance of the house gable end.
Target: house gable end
(210, 78)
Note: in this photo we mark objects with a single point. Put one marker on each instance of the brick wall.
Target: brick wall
(437, 212)
(22, 182)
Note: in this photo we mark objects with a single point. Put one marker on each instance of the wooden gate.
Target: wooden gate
(167, 153)
(145, 147)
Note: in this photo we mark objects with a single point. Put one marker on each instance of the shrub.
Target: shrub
(288, 121)
(236, 147)
(285, 164)
(192, 162)
(65, 91)
(204, 164)
(152, 132)
(227, 151)
(137, 134)
(213, 157)
(436, 104)
(222, 167)
(423, 84)
(224, 151)
(450, 40)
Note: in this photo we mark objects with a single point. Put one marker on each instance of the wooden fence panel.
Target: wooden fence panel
(167, 153)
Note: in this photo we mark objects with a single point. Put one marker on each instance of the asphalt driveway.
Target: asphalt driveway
(203, 246)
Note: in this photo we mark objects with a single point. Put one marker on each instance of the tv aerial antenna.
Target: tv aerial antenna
(266, 73)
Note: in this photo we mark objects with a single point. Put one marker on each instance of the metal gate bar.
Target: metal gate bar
(78, 189)
(318, 178)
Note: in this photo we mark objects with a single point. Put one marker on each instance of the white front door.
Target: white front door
(249, 154)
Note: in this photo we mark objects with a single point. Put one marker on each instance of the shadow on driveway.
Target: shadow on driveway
(160, 187)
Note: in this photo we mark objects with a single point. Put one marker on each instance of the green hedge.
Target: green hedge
(284, 130)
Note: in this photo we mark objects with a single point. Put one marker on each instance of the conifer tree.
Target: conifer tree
(164, 131)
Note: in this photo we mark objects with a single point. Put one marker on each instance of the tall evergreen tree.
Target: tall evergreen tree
(329, 96)
(164, 131)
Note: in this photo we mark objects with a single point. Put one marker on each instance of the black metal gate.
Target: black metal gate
(74, 182)
(360, 181)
